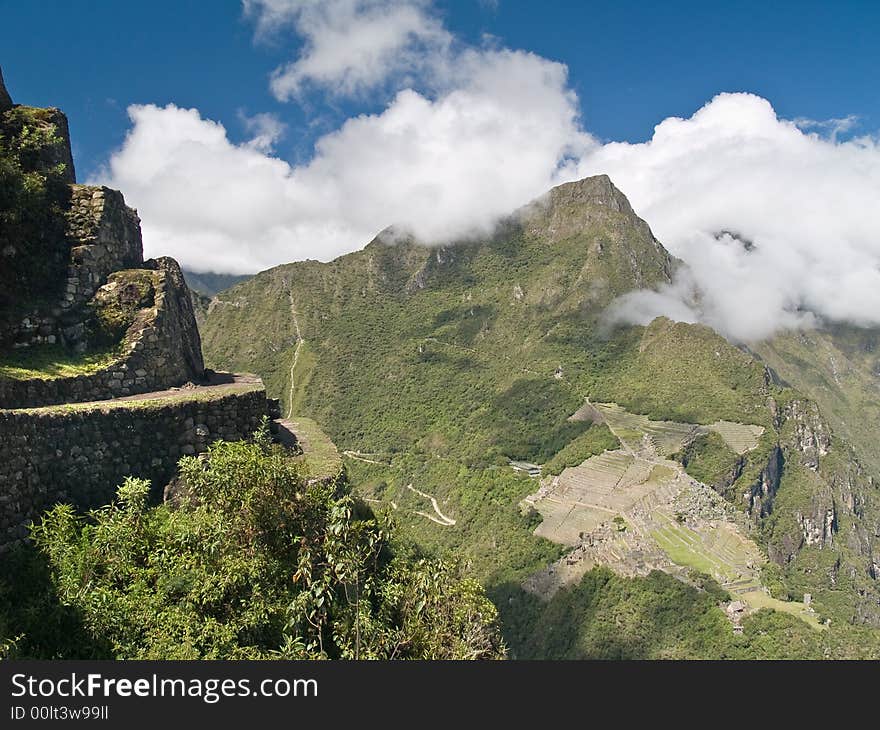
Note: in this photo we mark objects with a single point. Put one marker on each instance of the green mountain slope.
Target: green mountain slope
(838, 367)
(432, 367)
(207, 283)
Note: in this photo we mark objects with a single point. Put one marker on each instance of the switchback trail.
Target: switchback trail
(359, 456)
(444, 520)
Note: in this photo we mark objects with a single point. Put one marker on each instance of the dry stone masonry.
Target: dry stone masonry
(80, 455)
(105, 236)
(75, 439)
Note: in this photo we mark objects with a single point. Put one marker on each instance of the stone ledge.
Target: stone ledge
(161, 348)
(80, 454)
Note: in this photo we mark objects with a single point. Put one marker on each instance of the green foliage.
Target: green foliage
(32, 202)
(773, 577)
(595, 440)
(528, 420)
(687, 373)
(53, 361)
(115, 307)
(252, 560)
(34, 622)
(491, 536)
(607, 616)
(709, 460)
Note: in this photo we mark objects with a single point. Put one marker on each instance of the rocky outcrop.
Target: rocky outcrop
(597, 190)
(811, 435)
(175, 322)
(622, 250)
(5, 99)
(761, 493)
(818, 529)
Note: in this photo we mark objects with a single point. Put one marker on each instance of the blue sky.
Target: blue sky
(250, 134)
(632, 64)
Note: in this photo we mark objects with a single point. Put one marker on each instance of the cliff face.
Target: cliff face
(814, 507)
(76, 281)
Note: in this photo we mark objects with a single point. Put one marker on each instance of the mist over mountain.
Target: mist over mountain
(432, 368)
(467, 133)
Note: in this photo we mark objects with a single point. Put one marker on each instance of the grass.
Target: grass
(207, 394)
(595, 440)
(688, 548)
(319, 451)
(50, 362)
(759, 599)
(709, 459)
(740, 437)
(683, 546)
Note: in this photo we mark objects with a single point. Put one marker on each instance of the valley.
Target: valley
(665, 449)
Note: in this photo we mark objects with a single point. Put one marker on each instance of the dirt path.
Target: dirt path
(299, 343)
(359, 456)
(444, 520)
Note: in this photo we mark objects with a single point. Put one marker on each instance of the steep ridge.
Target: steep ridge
(453, 360)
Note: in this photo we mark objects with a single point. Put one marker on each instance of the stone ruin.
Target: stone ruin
(107, 299)
(74, 284)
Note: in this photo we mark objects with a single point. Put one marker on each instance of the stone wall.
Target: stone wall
(161, 349)
(80, 455)
(103, 235)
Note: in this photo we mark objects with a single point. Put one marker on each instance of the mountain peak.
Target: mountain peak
(596, 190)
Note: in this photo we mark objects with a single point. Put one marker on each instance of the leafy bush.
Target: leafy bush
(709, 460)
(251, 559)
(32, 202)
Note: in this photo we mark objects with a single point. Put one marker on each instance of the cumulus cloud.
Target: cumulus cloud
(265, 130)
(777, 221)
(351, 46)
(440, 168)
(777, 225)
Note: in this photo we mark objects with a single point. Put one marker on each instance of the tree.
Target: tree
(252, 559)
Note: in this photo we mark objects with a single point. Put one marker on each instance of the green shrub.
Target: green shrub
(251, 560)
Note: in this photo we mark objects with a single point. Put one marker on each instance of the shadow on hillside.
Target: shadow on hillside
(607, 616)
(34, 624)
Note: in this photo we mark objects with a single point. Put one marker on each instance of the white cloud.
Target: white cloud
(834, 127)
(265, 130)
(351, 46)
(777, 220)
(806, 203)
(441, 168)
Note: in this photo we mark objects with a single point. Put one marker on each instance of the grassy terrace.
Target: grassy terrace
(50, 362)
(147, 401)
(319, 451)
